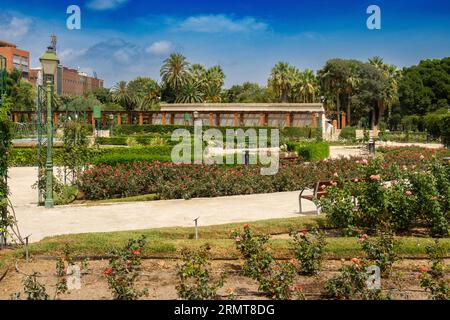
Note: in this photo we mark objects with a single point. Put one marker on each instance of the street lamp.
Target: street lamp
(2, 76)
(49, 62)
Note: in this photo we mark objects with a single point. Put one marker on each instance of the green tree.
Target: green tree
(175, 72)
(122, 96)
(144, 93)
(280, 80)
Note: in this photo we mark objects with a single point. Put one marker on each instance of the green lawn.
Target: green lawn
(167, 242)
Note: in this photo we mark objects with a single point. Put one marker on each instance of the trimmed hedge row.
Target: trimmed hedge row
(291, 132)
(312, 151)
(348, 133)
(26, 157)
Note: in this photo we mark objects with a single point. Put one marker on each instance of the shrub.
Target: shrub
(339, 207)
(308, 249)
(445, 130)
(276, 281)
(195, 280)
(312, 151)
(348, 133)
(351, 283)
(123, 270)
(254, 251)
(433, 279)
(113, 141)
(382, 251)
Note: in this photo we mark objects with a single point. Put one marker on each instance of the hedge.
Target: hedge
(312, 151)
(291, 132)
(445, 130)
(348, 133)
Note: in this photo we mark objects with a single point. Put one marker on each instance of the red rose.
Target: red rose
(136, 252)
(108, 271)
(246, 226)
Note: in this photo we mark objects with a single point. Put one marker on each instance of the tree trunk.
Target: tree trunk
(349, 111)
(338, 109)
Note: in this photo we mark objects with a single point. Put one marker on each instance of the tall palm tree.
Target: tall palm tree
(122, 96)
(212, 86)
(281, 80)
(191, 92)
(197, 73)
(175, 72)
(351, 84)
(391, 75)
(308, 86)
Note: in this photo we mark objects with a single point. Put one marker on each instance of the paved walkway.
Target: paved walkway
(41, 222)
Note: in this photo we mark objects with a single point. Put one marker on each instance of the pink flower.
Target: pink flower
(364, 161)
(136, 252)
(334, 183)
(246, 226)
(422, 157)
(375, 177)
(322, 187)
(335, 175)
(408, 193)
(238, 239)
(423, 269)
(355, 180)
(355, 260)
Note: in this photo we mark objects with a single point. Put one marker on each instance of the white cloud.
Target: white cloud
(14, 28)
(122, 56)
(105, 4)
(160, 48)
(70, 54)
(220, 24)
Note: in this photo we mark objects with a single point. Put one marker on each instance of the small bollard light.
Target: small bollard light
(196, 228)
(371, 146)
(27, 255)
(247, 157)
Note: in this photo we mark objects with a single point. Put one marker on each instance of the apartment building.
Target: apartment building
(16, 58)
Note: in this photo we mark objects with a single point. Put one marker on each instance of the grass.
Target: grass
(167, 242)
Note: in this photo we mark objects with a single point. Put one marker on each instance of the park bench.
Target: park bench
(317, 193)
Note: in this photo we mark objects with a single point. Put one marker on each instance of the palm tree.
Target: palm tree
(308, 86)
(191, 92)
(391, 75)
(175, 72)
(351, 84)
(197, 73)
(281, 80)
(212, 86)
(122, 96)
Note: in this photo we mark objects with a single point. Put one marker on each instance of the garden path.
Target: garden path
(41, 222)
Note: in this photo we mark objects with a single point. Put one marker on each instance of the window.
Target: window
(16, 59)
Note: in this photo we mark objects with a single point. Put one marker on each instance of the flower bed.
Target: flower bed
(411, 155)
(172, 181)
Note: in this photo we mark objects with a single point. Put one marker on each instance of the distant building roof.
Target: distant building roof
(246, 107)
(7, 44)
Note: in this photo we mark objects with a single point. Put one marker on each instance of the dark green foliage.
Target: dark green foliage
(348, 133)
(426, 87)
(310, 151)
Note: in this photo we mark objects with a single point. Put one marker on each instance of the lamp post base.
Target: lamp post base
(49, 204)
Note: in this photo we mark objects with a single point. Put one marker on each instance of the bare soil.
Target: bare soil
(160, 278)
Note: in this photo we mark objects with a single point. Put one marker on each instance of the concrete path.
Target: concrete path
(41, 222)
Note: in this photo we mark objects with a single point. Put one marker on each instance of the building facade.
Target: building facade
(69, 81)
(16, 58)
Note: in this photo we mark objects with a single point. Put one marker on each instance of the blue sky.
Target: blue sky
(122, 39)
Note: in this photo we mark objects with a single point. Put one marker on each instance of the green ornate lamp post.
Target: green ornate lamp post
(49, 62)
(2, 76)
